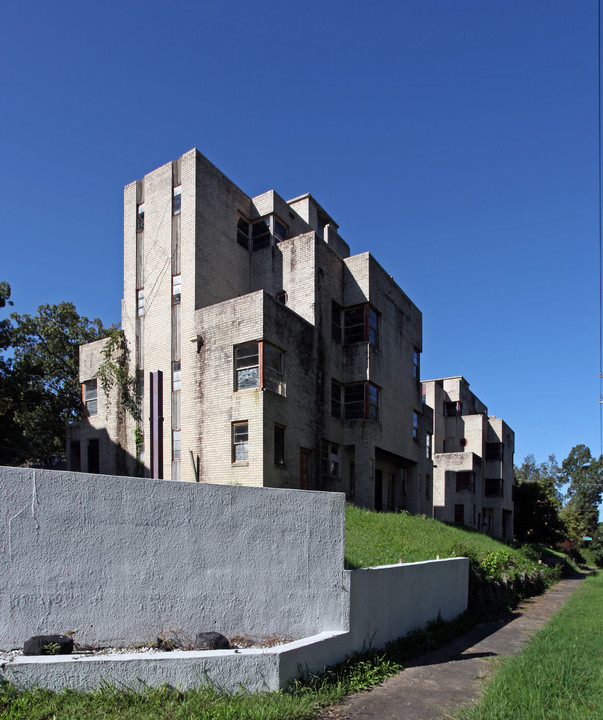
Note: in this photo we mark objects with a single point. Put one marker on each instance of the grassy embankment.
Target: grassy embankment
(559, 675)
(371, 539)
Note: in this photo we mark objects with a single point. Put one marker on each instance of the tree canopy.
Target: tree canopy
(538, 502)
(39, 384)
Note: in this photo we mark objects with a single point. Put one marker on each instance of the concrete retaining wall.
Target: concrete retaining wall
(128, 558)
(122, 560)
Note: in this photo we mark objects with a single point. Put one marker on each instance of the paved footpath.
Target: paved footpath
(437, 684)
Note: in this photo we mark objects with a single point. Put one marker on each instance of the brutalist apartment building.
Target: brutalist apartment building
(266, 354)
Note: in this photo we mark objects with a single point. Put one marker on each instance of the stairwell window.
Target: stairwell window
(140, 218)
(279, 445)
(140, 302)
(176, 375)
(415, 426)
(243, 233)
(176, 289)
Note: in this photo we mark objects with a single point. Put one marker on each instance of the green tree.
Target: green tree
(538, 502)
(39, 385)
(583, 475)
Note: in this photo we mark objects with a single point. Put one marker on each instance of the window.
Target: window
(260, 235)
(428, 441)
(176, 288)
(336, 322)
(240, 442)
(91, 397)
(330, 459)
(176, 444)
(361, 324)
(494, 451)
(140, 302)
(280, 231)
(415, 426)
(243, 233)
(464, 481)
(335, 399)
(453, 409)
(353, 325)
(140, 218)
(459, 514)
(494, 487)
(415, 363)
(247, 367)
(177, 203)
(273, 369)
(176, 375)
(373, 402)
(354, 401)
(93, 456)
(281, 297)
(279, 445)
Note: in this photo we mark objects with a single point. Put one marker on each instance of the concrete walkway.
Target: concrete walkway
(435, 685)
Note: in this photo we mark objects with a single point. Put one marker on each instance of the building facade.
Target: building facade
(473, 473)
(265, 353)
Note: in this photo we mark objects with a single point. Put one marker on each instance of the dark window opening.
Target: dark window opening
(335, 399)
(465, 481)
(494, 451)
(260, 235)
(453, 409)
(415, 364)
(279, 445)
(329, 459)
(494, 487)
(352, 473)
(140, 218)
(336, 322)
(280, 231)
(93, 456)
(281, 296)
(415, 426)
(354, 401)
(243, 233)
(459, 514)
(354, 325)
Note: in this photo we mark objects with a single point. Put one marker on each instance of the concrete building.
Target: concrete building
(472, 459)
(265, 353)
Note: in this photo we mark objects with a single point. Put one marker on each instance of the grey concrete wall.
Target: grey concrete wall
(386, 602)
(121, 560)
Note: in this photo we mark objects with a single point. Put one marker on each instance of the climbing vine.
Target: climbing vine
(114, 371)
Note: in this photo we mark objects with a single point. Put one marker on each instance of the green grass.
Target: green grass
(371, 539)
(559, 675)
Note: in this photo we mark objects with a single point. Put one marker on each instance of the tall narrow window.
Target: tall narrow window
(240, 442)
(459, 514)
(373, 327)
(176, 288)
(335, 399)
(336, 322)
(354, 401)
(428, 443)
(329, 459)
(247, 362)
(353, 325)
(415, 426)
(415, 363)
(273, 369)
(280, 231)
(140, 218)
(177, 204)
(260, 235)
(372, 410)
(352, 478)
(176, 444)
(176, 375)
(91, 396)
(140, 302)
(243, 233)
(279, 445)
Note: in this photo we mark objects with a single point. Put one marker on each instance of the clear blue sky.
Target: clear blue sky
(456, 141)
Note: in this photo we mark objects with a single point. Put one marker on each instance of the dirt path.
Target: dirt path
(434, 685)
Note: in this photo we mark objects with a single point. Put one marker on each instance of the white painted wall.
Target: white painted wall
(122, 560)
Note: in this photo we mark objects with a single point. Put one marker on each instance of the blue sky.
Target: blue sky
(456, 141)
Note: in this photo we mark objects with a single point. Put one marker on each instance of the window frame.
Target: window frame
(270, 365)
(176, 375)
(176, 289)
(464, 481)
(140, 311)
(140, 217)
(361, 324)
(240, 439)
(330, 460)
(415, 426)
(177, 200)
(90, 397)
